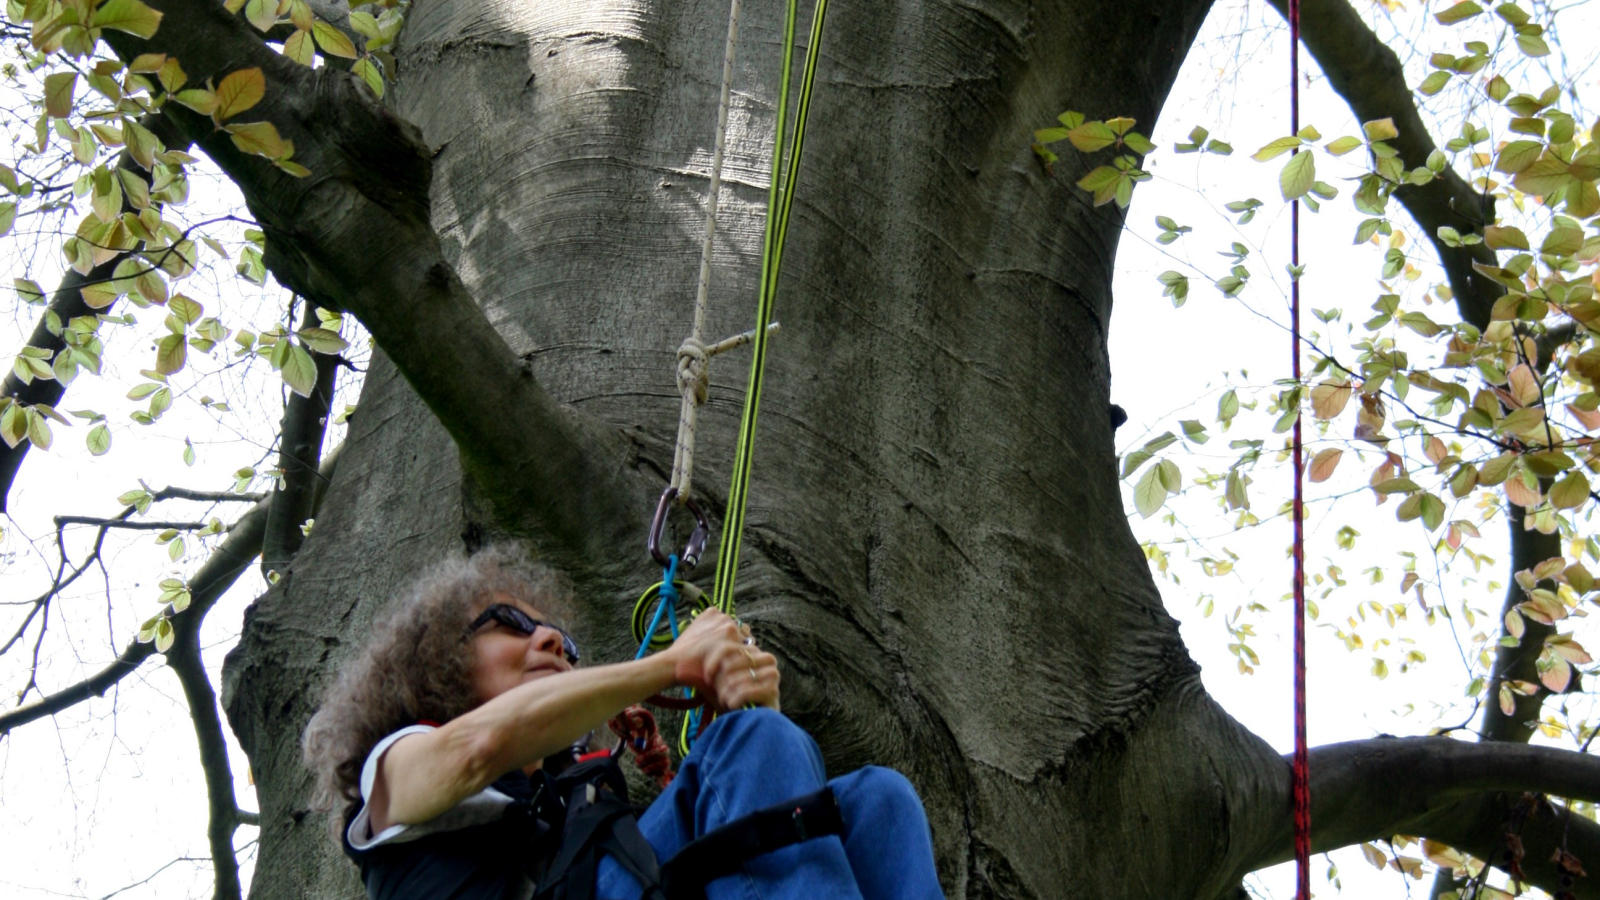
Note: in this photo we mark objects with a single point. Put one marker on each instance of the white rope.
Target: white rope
(694, 375)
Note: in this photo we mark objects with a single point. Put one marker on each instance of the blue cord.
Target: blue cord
(667, 602)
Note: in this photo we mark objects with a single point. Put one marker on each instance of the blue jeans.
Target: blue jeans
(756, 758)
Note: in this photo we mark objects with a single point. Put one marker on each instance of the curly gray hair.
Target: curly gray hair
(417, 665)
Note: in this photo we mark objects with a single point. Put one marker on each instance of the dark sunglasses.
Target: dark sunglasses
(519, 621)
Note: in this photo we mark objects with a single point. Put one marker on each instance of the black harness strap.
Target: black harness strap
(721, 852)
(598, 821)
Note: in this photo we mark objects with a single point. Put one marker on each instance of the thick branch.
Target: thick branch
(219, 572)
(356, 235)
(1478, 826)
(1368, 75)
(1362, 790)
(67, 303)
(305, 421)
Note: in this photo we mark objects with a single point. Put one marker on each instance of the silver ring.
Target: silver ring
(750, 642)
(753, 675)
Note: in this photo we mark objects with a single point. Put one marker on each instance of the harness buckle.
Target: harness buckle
(696, 545)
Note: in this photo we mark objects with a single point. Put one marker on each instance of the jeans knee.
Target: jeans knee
(878, 791)
(760, 734)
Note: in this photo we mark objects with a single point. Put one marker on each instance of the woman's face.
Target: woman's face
(504, 657)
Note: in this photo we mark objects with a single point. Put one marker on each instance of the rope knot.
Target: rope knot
(694, 372)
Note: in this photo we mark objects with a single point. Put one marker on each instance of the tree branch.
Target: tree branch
(1361, 790)
(184, 658)
(1368, 75)
(67, 304)
(305, 420)
(140, 525)
(1478, 826)
(356, 235)
(219, 572)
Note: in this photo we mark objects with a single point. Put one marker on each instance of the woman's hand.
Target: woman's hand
(717, 657)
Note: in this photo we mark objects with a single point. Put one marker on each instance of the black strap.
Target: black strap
(722, 851)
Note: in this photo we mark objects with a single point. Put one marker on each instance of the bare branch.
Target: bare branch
(219, 572)
(141, 525)
(184, 658)
(176, 493)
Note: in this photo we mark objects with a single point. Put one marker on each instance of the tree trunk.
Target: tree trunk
(936, 546)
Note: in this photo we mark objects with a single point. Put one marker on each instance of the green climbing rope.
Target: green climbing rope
(780, 200)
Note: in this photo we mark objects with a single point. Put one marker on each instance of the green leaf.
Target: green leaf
(240, 90)
(172, 352)
(1132, 462)
(1532, 45)
(300, 48)
(334, 43)
(1397, 486)
(1517, 156)
(262, 14)
(1341, 146)
(164, 635)
(1570, 492)
(29, 291)
(131, 16)
(298, 371)
(260, 138)
(1150, 492)
(1170, 477)
(369, 73)
(1177, 286)
(200, 100)
(1462, 11)
(1380, 130)
(184, 309)
(321, 340)
(1433, 84)
(1227, 407)
(1277, 148)
(1298, 175)
(58, 90)
(99, 440)
(160, 402)
(1138, 143)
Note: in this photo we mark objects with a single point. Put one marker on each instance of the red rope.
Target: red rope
(637, 728)
(1301, 783)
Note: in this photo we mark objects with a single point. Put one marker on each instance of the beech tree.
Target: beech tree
(509, 197)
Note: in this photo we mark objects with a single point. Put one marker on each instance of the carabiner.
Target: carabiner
(697, 538)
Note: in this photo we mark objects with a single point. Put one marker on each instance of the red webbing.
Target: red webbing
(1301, 783)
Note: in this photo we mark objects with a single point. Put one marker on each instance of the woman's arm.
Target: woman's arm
(423, 775)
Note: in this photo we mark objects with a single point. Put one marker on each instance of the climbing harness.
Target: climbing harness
(1300, 784)
(693, 372)
(594, 818)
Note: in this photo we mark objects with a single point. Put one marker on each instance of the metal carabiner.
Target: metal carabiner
(697, 538)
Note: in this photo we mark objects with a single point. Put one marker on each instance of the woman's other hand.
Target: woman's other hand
(717, 656)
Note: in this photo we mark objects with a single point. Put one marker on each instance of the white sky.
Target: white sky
(108, 794)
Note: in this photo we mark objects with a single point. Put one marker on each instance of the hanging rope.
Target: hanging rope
(780, 200)
(693, 376)
(694, 372)
(1301, 779)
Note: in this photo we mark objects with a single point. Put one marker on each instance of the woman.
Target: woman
(431, 743)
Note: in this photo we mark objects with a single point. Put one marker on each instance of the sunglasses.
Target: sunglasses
(522, 623)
